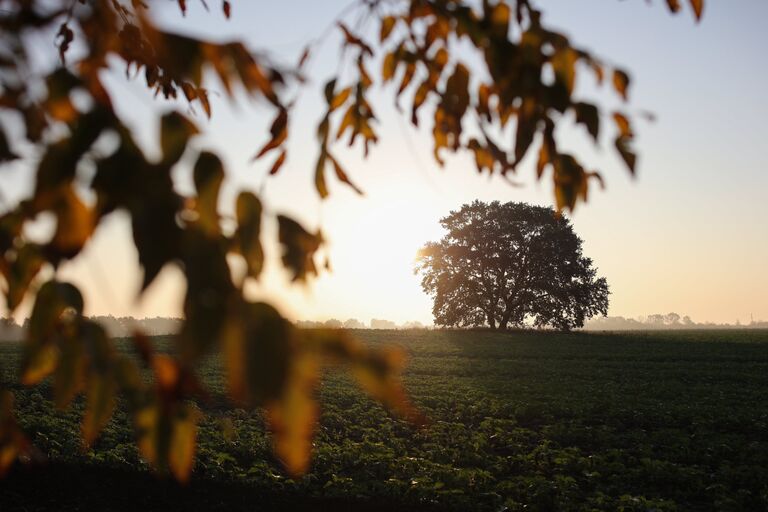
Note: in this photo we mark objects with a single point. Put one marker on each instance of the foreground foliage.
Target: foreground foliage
(86, 165)
(635, 421)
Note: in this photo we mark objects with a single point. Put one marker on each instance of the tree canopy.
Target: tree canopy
(510, 265)
(57, 111)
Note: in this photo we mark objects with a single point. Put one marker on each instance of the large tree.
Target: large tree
(493, 65)
(510, 265)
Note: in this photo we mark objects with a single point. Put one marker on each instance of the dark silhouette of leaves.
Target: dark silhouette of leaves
(208, 175)
(249, 213)
(299, 247)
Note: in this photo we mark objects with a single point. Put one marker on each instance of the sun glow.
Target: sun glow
(373, 258)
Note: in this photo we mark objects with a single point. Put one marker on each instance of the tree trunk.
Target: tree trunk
(504, 323)
(491, 320)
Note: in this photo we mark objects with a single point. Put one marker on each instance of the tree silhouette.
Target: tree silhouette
(502, 265)
(58, 109)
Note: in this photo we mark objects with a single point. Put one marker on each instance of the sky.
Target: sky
(688, 234)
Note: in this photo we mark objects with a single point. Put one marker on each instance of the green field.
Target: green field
(519, 421)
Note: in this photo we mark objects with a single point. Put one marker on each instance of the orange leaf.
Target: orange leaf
(292, 417)
(625, 129)
(278, 163)
(698, 8)
(339, 99)
(621, 82)
(279, 132)
(387, 24)
(342, 176)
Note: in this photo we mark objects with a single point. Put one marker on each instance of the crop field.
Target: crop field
(518, 421)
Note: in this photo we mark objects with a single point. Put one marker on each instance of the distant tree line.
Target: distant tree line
(116, 327)
(354, 323)
(664, 321)
(123, 326)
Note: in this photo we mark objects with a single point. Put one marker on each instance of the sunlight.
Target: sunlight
(373, 257)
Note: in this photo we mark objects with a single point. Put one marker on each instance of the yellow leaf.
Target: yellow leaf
(346, 121)
(339, 99)
(166, 437)
(564, 65)
(389, 67)
(75, 223)
(500, 18)
(181, 458)
(40, 364)
(27, 263)
(12, 440)
(387, 24)
(292, 417)
(69, 376)
(625, 129)
(166, 371)
(320, 184)
(379, 375)
(100, 403)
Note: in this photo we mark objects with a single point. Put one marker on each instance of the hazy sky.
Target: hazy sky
(688, 235)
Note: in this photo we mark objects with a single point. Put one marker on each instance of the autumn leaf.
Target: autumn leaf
(622, 122)
(13, 442)
(101, 380)
(257, 353)
(387, 24)
(621, 82)
(75, 223)
(249, 211)
(320, 184)
(25, 262)
(293, 415)
(342, 176)
(57, 307)
(167, 437)
(175, 132)
(208, 174)
(100, 403)
(299, 247)
(278, 163)
(674, 5)
(69, 376)
(698, 8)
(339, 99)
(278, 132)
(629, 157)
(589, 116)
